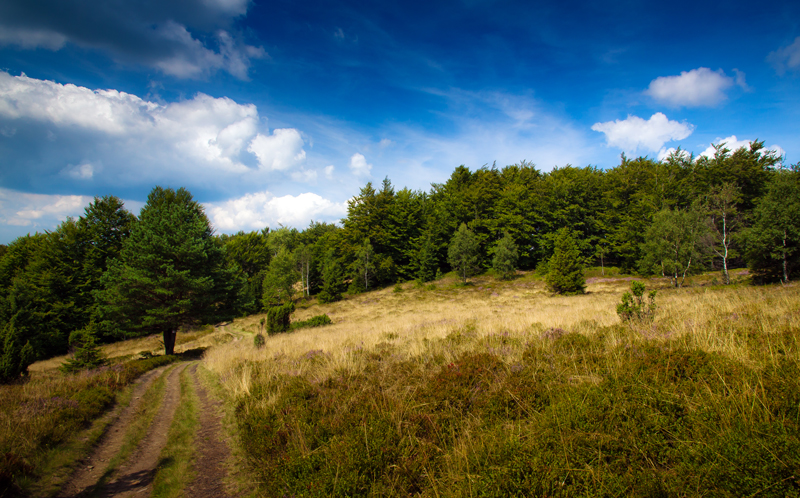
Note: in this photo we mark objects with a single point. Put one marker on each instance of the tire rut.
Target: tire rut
(211, 451)
(92, 468)
(135, 477)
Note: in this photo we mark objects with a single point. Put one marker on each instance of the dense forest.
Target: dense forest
(111, 275)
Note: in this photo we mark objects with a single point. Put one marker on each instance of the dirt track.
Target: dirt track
(135, 475)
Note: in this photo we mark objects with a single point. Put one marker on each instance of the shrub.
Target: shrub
(565, 275)
(86, 354)
(258, 341)
(278, 318)
(315, 321)
(633, 305)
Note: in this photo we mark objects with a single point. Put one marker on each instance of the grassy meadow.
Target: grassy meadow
(502, 389)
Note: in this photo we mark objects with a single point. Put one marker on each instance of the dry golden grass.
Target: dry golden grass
(415, 319)
(199, 338)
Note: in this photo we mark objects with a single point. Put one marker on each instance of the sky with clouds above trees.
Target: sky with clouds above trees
(278, 112)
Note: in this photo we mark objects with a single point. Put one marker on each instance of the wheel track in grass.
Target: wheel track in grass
(135, 475)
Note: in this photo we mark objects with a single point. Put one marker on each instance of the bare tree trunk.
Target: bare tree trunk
(169, 341)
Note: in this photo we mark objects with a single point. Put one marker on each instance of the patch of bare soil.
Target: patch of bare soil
(211, 450)
(136, 475)
(91, 469)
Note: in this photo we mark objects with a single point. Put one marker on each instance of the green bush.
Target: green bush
(87, 354)
(565, 275)
(314, 321)
(633, 305)
(278, 318)
(258, 341)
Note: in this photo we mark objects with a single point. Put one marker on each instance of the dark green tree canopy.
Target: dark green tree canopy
(171, 273)
(566, 265)
(463, 252)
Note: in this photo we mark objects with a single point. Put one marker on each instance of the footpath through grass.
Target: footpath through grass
(40, 417)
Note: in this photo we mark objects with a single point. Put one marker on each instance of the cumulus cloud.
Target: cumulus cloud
(38, 210)
(262, 209)
(186, 39)
(634, 133)
(359, 166)
(695, 88)
(733, 144)
(786, 58)
(147, 141)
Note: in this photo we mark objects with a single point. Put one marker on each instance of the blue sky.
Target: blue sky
(278, 112)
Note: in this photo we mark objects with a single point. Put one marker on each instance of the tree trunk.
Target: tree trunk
(169, 341)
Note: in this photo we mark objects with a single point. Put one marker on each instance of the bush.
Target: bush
(633, 305)
(565, 275)
(278, 318)
(86, 354)
(258, 341)
(315, 321)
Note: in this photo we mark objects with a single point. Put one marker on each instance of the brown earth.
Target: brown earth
(135, 476)
(211, 451)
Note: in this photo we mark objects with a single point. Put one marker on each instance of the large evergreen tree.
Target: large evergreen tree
(171, 273)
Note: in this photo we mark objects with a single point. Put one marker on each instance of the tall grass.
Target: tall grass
(500, 389)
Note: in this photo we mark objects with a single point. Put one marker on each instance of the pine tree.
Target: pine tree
(170, 274)
(566, 269)
(505, 257)
(426, 261)
(462, 253)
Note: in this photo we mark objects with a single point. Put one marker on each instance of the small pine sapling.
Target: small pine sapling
(258, 341)
(633, 305)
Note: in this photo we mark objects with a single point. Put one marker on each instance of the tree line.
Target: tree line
(112, 275)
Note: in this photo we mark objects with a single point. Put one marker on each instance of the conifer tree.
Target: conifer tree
(426, 261)
(171, 273)
(463, 252)
(566, 269)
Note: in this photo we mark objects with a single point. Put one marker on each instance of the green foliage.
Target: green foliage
(672, 244)
(259, 341)
(171, 273)
(86, 353)
(278, 318)
(15, 357)
(634, 306)
(314, 321)
(463, 252)
(565, 268)
(426, 261)
(280, 279)
(773, 242)
(505, 257)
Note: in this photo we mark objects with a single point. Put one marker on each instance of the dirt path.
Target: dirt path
(136, 475)
(93, 467)
(211, 450)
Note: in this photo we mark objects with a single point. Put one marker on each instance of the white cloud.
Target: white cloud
(359, 166)
(258, 210)
(39, 210)
(187, 41)
(83, 171)
(634, 133)
(280, 151)
(698, 87)
(385, 142)
(305, 176)
(329, 171)
(150, 142)
(786, 58)
(733, 144)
